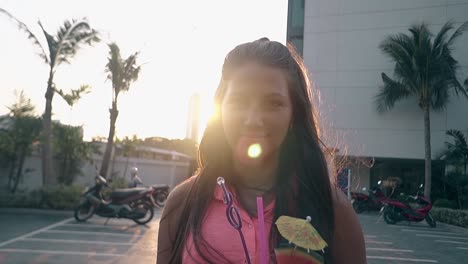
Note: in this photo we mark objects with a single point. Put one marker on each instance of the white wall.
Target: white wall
(150, 171)
(341, 39)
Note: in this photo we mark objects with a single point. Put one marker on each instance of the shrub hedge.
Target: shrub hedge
(451, 216)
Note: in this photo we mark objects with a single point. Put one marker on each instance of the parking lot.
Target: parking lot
(58, 238)
(413, 243)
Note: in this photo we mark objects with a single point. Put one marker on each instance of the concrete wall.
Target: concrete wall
(150, 171)
(341, 39)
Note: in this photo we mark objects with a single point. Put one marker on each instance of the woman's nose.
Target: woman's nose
(253, 117)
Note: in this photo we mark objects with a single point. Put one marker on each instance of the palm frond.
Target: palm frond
(456, 152)
(131, 71)
(71, 36)
(74, 95)
(31, 35)
(121, 72)
(400, 48)
(114, 67)
(419, 33)
(22, 106)
(51, 44)
(439, 92)
(391, 92)
(458, 33)
(441, 37)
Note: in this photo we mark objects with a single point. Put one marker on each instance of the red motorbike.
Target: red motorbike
(372, 202)
(414, 209)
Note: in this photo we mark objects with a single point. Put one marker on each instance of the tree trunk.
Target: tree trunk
(428, 158)
(126, 166)
(48, 175)
(110, 140)
(11, 173)
(19, 172)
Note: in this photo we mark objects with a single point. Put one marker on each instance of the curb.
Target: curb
(35, 211)
(462, 229)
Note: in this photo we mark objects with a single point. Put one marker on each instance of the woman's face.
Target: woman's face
(256, 112)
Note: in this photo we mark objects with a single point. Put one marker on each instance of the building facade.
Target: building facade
(193, 120)
(339, 44)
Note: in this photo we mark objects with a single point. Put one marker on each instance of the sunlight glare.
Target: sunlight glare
(254, 151)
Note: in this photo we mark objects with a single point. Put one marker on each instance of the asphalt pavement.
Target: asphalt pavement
(45, 237)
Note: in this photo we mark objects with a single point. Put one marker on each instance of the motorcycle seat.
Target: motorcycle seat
(160, 186)
(121, 193)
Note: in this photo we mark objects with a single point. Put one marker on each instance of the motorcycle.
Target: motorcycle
(129, 203)
(414, 209)
(362, 202)
(160, 193)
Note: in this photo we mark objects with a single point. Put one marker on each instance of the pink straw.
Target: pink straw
(261, 226)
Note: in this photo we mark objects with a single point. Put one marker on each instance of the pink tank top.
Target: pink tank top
(222, 237)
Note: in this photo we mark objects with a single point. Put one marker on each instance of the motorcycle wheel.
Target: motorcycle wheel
(359, 206)
(160, 199)
(84, 211)
(149, 212)
(430, 220)
(389, 217)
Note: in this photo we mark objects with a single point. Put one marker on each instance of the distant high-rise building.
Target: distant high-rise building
(193, 124)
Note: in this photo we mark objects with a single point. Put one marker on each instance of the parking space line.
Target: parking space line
(403, 259)
(58, 252)
(35, 232)
(378, 242)
(414, 227)
(462, 248)
(453, 242)
(431, 232)
(97, 226)
(91, 233)
(424, 235)
(52, 240)
(391, 249)
(370, 236)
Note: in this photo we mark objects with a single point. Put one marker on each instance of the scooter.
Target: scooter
(129, 203)
(372, 202)
(395, 211)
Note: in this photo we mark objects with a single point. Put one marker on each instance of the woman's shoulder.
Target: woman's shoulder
(339, 198)
(348, 239)
(170, 219)
(178, 194)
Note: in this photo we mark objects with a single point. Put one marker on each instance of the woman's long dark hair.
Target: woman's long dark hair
(303, 187)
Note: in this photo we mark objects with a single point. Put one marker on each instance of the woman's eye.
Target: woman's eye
(274, 104)
(236, 102)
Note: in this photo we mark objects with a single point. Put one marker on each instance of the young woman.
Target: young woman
(264, 142)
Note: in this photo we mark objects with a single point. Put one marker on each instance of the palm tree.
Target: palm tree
(122, 73)
(18, 139)
(456, 155)
(425, 69)
(61, 47)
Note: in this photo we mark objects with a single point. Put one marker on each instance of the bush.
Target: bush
(18, 200)
(48, 197)
(118, 183)
(451, 216)
(445, 203)
(60, 196)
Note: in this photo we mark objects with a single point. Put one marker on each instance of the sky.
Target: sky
(182, 46)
